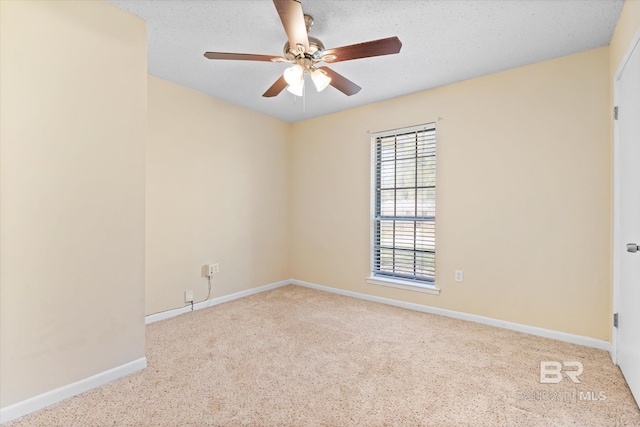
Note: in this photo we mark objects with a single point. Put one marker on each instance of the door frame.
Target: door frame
(617, 241)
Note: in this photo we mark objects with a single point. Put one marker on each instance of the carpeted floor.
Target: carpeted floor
(300, 357)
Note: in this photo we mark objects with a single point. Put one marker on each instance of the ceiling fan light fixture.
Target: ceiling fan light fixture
(294, 75)
(320, 79)
(297, 88)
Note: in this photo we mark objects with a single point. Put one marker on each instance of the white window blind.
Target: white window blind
(404, 209)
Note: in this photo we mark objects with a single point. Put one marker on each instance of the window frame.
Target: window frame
(380, 279)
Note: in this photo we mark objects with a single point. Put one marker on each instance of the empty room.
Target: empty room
(319, 213)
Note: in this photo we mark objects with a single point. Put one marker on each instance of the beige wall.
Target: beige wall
(626, 29)
(72, 141)
(523, 194)
(216, 192)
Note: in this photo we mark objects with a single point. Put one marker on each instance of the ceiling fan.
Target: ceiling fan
(304, 52)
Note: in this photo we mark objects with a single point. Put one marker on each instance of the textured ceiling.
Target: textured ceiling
(443, 41)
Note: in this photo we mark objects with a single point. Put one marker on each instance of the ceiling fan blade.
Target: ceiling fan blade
(341, 83)
(292, 18)
(276, 88)
(239, 56)
(387, 46)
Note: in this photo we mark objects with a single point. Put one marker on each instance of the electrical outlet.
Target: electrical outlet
(211, 269)
(458, 276)
(208, 270)
(188, 296)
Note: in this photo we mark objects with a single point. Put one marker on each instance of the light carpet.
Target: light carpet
(300, 357)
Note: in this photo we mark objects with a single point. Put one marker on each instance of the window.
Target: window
(404, 206)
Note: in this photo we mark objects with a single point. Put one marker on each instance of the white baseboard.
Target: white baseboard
(43, 400)
(215, 301)
(518, 327)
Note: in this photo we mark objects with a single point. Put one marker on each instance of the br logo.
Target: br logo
(551, 372)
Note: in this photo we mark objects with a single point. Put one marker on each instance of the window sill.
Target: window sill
(401, 284)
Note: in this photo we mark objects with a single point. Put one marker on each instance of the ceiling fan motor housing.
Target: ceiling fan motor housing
(316, 47)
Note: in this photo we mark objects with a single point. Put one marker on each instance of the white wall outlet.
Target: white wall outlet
(216, 268)
(188, 296)
(458, 276)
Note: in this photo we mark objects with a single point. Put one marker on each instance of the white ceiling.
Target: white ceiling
(443, 41)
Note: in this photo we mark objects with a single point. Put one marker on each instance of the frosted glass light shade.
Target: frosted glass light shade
(320, 79)
(293, 75)
(296, 88)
